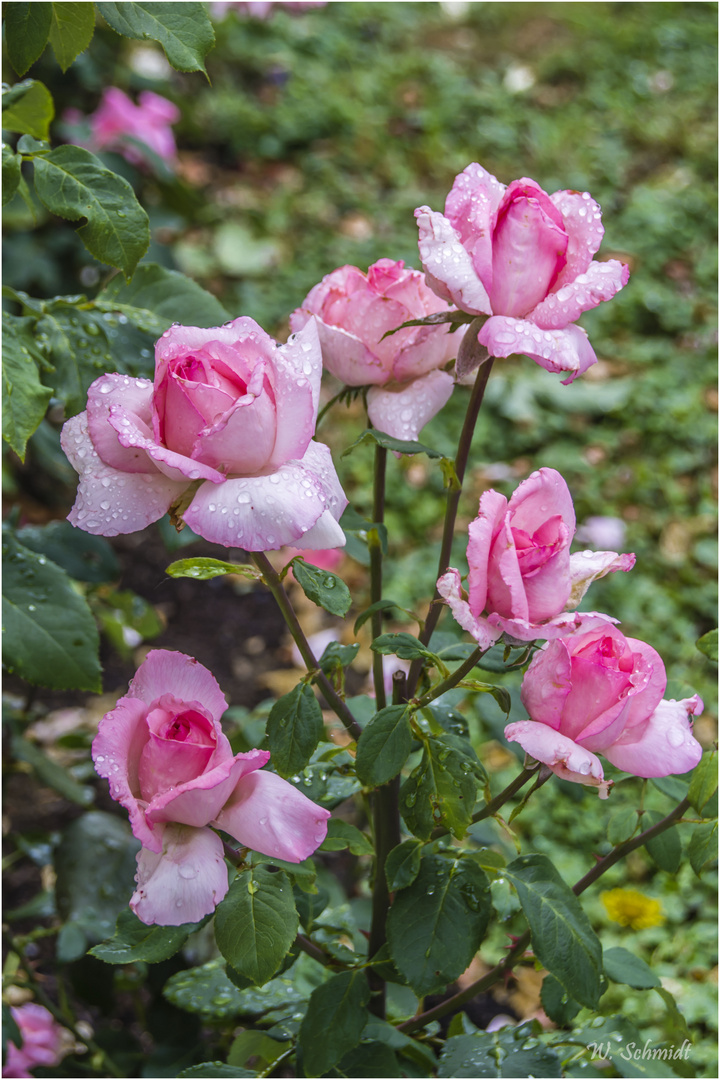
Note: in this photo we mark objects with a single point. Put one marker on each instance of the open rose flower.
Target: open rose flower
(524, 258)
(170, 765)
(224, 435)
(353, 311)
(118, 124)
(522, 575)
(600, 692)
(42, 1039)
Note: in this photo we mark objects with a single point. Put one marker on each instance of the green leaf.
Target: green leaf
(676, 1017)
(205, 991)
(555, 1001)
(510, 1052)
(95, 865)
(25, 399)
(399, 446)
(27, 26)
(73, 183)
(50, 773)
(325, 589)
(11, 173)
(71, 31)
(256, 923)
(436, 925)
(133, 940)
(184, 30)
(703, 847)
(403, 864)
(10, 1030)
(443, 788)
(50, 635)
(500, 693)
(76, 343)
(708, 644)
(562, 937)
(255, 1044)
(81, 555)
(373, 1058)
(156, 297)
(704, 781)
(334, 1021)
(341, 834)
(294, 728)
(405, 646)
(204, 569)
(379, 605)
(384, 746)
(622, 825)
(624, 967)
(28, 109)
(336, 656)
(671, 786)
(665, 849)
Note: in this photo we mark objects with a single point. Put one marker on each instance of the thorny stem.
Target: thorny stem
(376, 556)
(52, 1008)
(314, 950)
(451, 508)
(274, 584)
(385, 800)
(497, 973)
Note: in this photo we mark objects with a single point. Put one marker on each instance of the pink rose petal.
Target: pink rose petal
(403, 413)
(184, 882)
(269, 815)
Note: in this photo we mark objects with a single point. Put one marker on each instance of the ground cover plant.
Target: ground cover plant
(361, 719)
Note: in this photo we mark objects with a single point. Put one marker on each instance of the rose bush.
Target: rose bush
(521, 570)
(600, 692)
(118, 120)
(353, 311)
(524, 258)
(164, 753)
(224, 433)
(41, 1041)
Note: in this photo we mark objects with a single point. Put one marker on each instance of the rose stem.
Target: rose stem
(386, 828)
(498, 972)
(452, 680)
(274, 584)
(52, 1008)
(376, 555)
(451, 508)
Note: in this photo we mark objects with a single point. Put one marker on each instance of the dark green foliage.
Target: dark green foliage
(294, 728)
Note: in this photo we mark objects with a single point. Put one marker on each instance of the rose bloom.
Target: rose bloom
(224, 434)
(524, 258)
(353, 311)
(521, 571)
(117, 119)
(41, 1040)
(163, 750)
(600, 692)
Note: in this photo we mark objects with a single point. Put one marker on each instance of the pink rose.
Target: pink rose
(353, 311)
(170, 765)
(521, 570)
(41, 1041)
(117, 120)
(600, 692)
(526, 259)
(226, 428)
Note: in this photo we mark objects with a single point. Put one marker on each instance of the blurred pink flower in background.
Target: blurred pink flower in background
(600, 692)
(602, 532)
(224, 434)
(521, 571)
(524, 258)
(261, 9)
(170, 765)
(117, 120)
(41, 1041)
(353, 311)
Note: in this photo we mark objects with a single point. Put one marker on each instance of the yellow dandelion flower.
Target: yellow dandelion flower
(630, 908)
